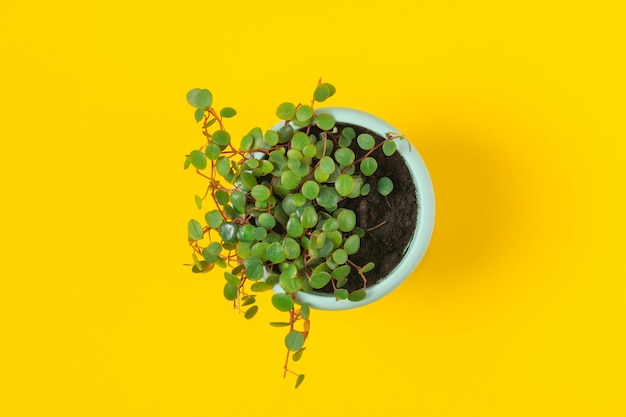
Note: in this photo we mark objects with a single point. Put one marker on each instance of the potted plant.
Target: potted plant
(330, 209)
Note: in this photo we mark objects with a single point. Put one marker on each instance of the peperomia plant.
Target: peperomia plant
(275, 219)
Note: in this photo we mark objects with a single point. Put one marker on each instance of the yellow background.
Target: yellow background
(516, 107)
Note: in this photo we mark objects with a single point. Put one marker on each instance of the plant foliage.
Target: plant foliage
(275, 220)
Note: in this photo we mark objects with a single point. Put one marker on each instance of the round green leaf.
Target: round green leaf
(304, 113)
(231, 292)
(266, 220)
(294, 340)
(214, 248)
(289, 180)
(260, 286)
(347, 220)
(294, 227)
(251, 312)
(200, 98)
(291, 248)
(310, 189)
(198, 159)
(199, 114)
(319, 279)
(340, 256)
(341, 294)
(228, 231)
(213, 218)
(286, 111)
(222, 166)
(282, 302)
(228, 112)
(357, 295)
(384, 186)
(344, 184)
(275, 252)
(389, 147)
(341, 271)
(366, 141)
(221, 137)
(352, 244)
(299, 140)
(309, 217)
(368, 166)
(245, 233)
(309, 151)
(260, 192)
(325, 121)
(327, 165)
(194, 229)
(305, 311)
(322, 92)
(271, 137)
(345, 156)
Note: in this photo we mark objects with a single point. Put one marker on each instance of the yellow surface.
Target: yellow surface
(517, 108)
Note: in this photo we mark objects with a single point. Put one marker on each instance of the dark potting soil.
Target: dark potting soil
(388, 222)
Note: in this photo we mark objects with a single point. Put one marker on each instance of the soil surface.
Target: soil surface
(388, 222)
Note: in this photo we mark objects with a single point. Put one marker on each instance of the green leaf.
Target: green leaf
(325, 121)
(289, 180)
(260, 192)
(357, 295)
(212, 151)
(282, 302)
(228, 112)
(246, 142)
(291, 248)
(345, 156)
(368, 166)
(200, 98)
(389, 147)
(322, 92)
(309, 217)
(285, 133)
(221, 137)
(231, 292)
(299, 380)
(294, 340)
(214, 248)
(198, 115)
(384, 186)
(327, 165)
(352, 244)
(232, 279)
(213, 218)
(251, 312)
(198, 159)
(299, 140)
(319, 279)
(279, 324)
(271, 137)
(260, 286)
(309, 151)
(341, 294)
(366, 141)
(222, 165)
(275, 252)
(310, 189)
(254, 270)
(286, 111)
(228, 231)
(367, 267)
(198, 201)
(305, 311)
(304, 113)
(344, 184)
(347, 220)
(341, 271)
(266, 220)
(340, 256)
(194, 229)
(294, 227)
(298, 355)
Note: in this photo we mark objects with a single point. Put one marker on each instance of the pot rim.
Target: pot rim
(425, 215)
